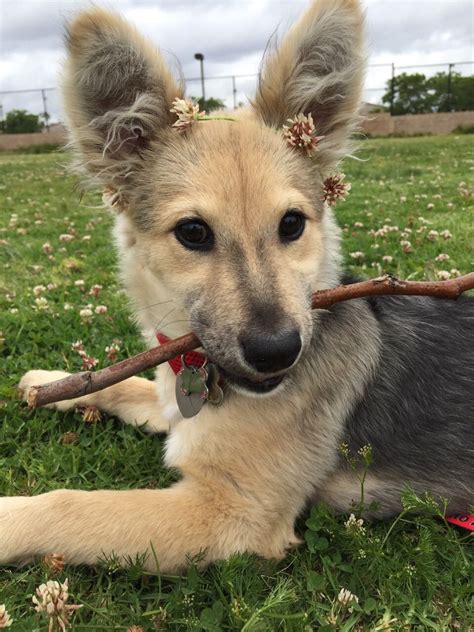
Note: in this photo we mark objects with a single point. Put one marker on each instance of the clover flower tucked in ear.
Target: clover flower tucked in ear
(301, 132)
(5, 618)
(335, 189)
(187, 112)
(51, 599)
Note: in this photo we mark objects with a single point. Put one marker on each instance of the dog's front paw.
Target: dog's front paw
(38, 378)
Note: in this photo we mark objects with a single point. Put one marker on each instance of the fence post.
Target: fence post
(45, 109)
(449, 105)
(392, 89)
(234, 92)
(2, 121)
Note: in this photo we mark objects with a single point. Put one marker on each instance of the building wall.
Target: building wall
(379, 124)
(17, 141)
(382, 124)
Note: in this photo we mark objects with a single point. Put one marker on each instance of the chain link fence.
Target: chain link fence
(233, 90)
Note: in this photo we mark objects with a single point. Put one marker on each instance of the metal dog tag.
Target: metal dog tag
(191, 390)
(216, 394)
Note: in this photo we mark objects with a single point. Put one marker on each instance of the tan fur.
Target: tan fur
(250, 466)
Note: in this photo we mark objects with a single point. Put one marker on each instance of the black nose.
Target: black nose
(271, 352)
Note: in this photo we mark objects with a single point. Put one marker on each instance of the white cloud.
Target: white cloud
(232, 35)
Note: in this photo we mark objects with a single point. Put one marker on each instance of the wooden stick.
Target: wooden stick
(91, 381)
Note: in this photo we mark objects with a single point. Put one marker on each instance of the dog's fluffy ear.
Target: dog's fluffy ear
(318, 69)
(117, 95)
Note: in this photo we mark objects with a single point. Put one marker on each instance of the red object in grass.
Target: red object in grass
(466, 521)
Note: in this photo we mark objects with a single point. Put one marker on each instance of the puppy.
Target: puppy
(224, 223)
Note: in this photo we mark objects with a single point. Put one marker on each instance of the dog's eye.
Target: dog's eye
(291, 225)
(194, 234)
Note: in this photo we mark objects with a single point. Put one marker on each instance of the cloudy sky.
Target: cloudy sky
(232, 35)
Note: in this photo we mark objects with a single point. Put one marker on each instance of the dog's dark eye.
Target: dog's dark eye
(291, 225)
(194, 234)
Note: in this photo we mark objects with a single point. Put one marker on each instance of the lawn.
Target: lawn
(410, 213)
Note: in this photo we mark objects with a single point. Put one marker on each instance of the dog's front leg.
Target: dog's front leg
(134, 400)
(168, 526)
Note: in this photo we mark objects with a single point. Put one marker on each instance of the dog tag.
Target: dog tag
(216, 394)
(191, 390)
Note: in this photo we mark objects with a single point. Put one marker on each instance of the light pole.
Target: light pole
(200, 58)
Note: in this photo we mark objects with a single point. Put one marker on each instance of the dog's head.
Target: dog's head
(227, 217)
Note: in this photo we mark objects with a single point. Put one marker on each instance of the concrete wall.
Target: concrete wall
(382, 124)
(17, 141)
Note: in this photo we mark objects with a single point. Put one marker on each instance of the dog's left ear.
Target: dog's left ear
(318, 69)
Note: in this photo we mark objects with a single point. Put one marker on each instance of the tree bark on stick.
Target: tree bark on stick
(91, 381)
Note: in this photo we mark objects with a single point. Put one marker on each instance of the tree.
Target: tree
(22, 122)
(209, 104)
(456, 95)
(415, 93)
(411, 94)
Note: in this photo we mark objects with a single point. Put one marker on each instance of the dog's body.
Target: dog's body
(392, 373)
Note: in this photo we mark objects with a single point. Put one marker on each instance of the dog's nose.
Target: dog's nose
(271, 352)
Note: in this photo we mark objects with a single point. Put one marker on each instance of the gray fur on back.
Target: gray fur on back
(418, 409)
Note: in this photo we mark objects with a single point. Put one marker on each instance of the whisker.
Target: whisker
(171, 300)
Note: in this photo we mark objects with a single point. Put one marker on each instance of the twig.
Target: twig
(89, 382)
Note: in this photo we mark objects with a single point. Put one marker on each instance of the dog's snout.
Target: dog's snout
(271, 352)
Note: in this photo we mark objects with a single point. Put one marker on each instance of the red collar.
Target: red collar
(192, 358)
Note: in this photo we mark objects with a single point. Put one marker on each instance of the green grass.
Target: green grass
(411, 573)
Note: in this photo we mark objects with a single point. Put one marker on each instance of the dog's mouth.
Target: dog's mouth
(258, 386)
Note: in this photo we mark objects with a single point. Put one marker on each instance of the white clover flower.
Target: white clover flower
(41, 303)
(5, 618)
(358, 255)
(50, 599)
(387, 259)
(358, 225)
(336, 189)
(433, 235)
(403, 198)
(442, 257)
(79, 283)
(187, 112)
(443, 275)
(354, 524)
(67, 307)
(445, 234)
(85, 314)
(47, 248)
(112, 350)
(101, 309)
(430, 206)
(454, 272)
(345, 597)
(95, 290)
(301, 133)
(66, 237)
(38, 290)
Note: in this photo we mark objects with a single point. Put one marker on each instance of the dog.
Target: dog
(224, 222)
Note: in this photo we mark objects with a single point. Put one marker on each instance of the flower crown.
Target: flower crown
(300, 133)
